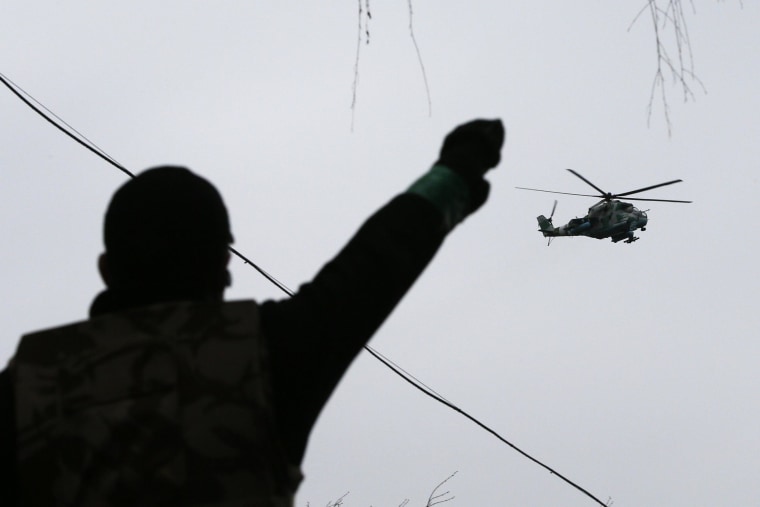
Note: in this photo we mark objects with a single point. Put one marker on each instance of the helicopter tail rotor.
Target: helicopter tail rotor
(545, 225)
(554, 208)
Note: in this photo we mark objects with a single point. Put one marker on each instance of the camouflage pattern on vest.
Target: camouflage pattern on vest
(164, 405)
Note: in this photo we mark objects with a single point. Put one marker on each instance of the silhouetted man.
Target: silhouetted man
(168, 395)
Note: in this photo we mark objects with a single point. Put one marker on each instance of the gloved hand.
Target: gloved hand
(455, 184)
(471, 150)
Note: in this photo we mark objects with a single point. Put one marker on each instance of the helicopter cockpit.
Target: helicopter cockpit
(627, 207)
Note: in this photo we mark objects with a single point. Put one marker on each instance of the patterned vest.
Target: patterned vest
(168, 405)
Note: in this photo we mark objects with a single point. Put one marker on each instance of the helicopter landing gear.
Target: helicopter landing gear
(631, 239)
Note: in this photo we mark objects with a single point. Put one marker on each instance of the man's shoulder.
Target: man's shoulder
(158, 312)
(185, 318)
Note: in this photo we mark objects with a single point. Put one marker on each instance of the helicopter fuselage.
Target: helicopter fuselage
(606, 219)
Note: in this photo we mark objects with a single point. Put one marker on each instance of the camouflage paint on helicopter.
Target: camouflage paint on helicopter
(609, 218)
(613, 219)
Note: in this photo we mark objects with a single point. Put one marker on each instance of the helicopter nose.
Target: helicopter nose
(643, 220)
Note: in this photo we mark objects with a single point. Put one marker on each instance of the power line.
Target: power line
(408, 377)
(27, 99)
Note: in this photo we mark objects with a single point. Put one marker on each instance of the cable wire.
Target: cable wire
(83, 141)
(406, 376)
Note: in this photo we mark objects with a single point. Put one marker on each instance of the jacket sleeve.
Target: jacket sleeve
(315, 335)
(7, 440)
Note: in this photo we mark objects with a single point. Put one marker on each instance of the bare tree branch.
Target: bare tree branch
(365, 15)
(434, 498)
(338, 502)
(673, 50)
(419, 58)
(363, 27)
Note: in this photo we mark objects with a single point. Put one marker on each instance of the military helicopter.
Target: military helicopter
(609, 218)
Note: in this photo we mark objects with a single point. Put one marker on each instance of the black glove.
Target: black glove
(470, 150)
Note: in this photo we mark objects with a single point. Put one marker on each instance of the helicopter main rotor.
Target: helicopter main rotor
(608, 196)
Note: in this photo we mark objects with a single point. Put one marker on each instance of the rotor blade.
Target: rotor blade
(554, 192)
(587, 181)
(657, 200)
(554, 208)
(648, 188)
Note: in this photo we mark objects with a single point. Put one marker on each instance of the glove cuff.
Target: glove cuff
(447, 191)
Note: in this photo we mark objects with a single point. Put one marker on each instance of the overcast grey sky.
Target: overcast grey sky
(631, 369)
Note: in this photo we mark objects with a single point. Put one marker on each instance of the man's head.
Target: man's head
(167, 231)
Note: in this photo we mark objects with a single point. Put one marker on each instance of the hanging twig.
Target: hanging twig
(678, 62)
(419, 58)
